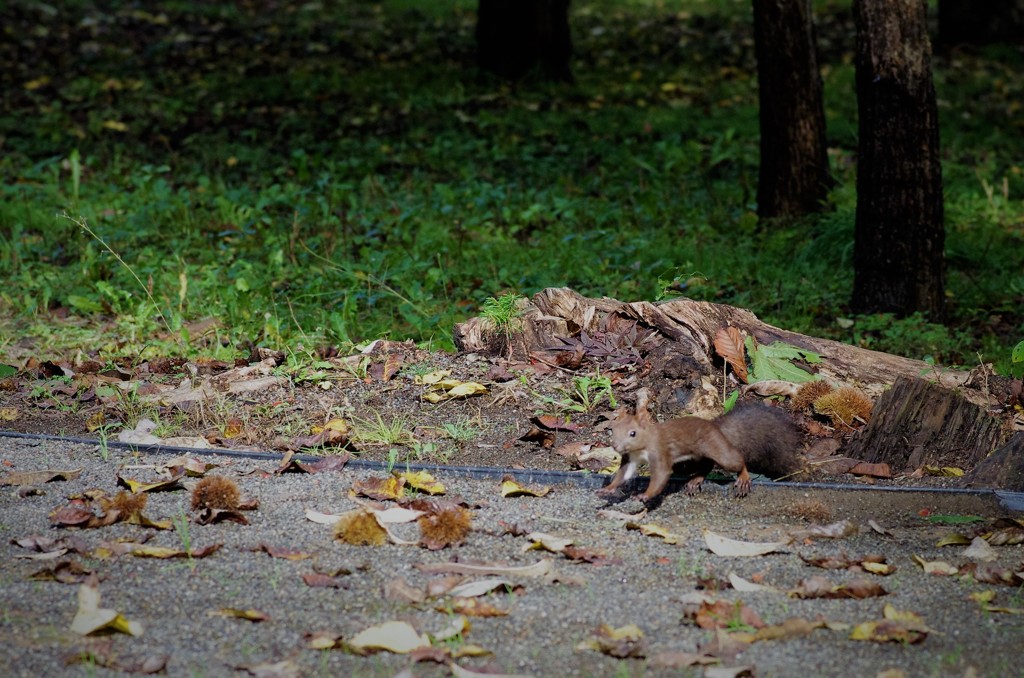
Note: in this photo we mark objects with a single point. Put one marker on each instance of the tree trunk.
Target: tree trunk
(898, 262)
(980, 22)
(514, 36)
(794, 179)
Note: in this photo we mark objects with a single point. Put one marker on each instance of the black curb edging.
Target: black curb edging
(1013, 501)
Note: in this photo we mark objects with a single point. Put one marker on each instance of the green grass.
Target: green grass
(335, 172)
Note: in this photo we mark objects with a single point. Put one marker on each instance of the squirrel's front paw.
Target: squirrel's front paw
(742, 488)
(609, 492)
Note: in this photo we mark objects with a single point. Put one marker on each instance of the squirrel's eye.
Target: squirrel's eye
(632, 434)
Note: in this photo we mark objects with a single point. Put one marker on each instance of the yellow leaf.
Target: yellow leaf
(512, 488)
(432, 377)
(8, 413)
(467, 389)
(652, 530)
(424, 482)
(115, 125)
(95, 421)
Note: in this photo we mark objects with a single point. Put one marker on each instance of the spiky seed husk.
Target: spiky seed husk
(809, 392)
(359, 527)
(126, 503)
(216, 492)
(844, 406)
(447, 526)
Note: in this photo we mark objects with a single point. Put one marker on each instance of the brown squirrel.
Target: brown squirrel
(763, 438)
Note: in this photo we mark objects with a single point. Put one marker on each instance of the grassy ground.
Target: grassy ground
(321, 173)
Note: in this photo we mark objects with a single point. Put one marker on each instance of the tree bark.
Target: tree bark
(898, 248)
(794, 179)
(980, 22)
(514, 36)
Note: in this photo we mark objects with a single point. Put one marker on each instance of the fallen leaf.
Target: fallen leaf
(91, 618)
(188, 466)
(38, 477)
(103, 654)
(724, 546)
(281, 669)
(137, 486)
(621, 642)
(547, 542)
(391, 487)
(896, 626)
(652, 530)
(401, 590)
(393, 636)
(820, 587)
(480, 587)
(448, 389)
(471, 607)
(323, 640)
(510, 487)
(278, 552)
(319, 580)
(459, 627)
(209, 515)
(872, 470)
(163, 552)
(64, 572)
(935, 566)
(551, 422)
(423, 481)
(722, 614)
(729, 345)
(980, 551)
(237, 613)
(745, 586)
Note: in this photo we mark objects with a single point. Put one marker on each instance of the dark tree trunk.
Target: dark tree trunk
(980, 22)
(794, 178)
(897, 259)
(514, 36)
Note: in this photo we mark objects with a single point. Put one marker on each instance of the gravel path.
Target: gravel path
(644, 581)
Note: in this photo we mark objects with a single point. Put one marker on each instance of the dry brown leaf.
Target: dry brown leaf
(38, 477)
(729, 345)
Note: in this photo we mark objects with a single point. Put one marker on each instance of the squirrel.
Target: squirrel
(761, 437)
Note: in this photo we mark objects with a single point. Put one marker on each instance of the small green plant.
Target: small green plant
(690, 568)
(736, 622)
(376, 430)
(503, 315)
(461, 430)
(587, 392)
(1017, 360)
(180, 522)
(392, 458)
(104, 434)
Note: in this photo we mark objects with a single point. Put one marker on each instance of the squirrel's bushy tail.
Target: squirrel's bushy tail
(766, 436)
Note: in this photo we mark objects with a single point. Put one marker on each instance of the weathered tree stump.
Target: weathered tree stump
(1004, 468)
(918, 423)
